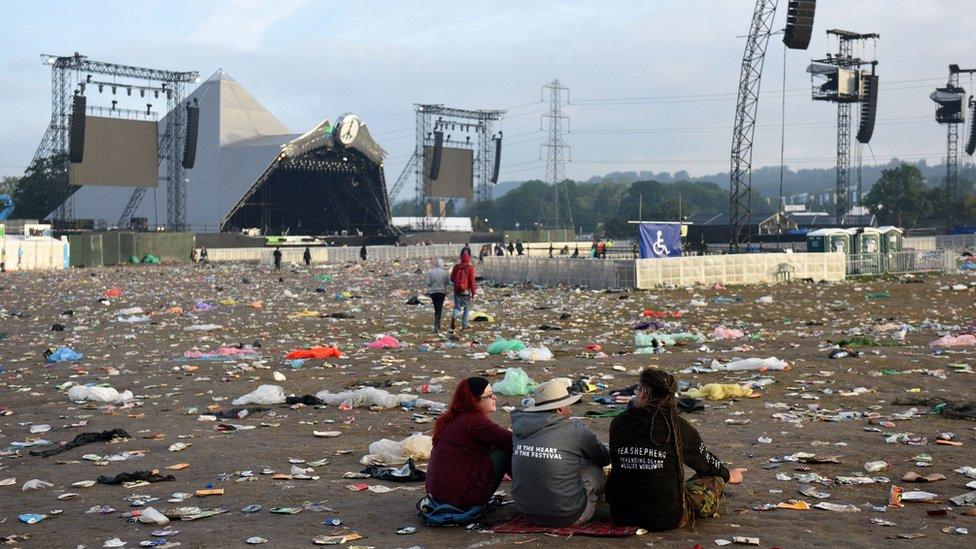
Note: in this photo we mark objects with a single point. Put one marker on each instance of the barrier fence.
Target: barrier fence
(293, 254)
(19, 254)
(912, 261)
(560, 271)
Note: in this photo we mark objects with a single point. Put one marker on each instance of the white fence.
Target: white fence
(21, 254)
(559, 271)
(289, 254)
(739, 269)
(914, 261)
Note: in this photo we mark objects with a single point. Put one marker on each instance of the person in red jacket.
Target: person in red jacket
(462, 276)
(471, 453)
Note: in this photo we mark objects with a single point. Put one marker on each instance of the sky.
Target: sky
(652, 83)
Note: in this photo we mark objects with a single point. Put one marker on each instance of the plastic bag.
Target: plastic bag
(718, 391)
(948, 340)
(648, 340)
(516, 383)
(63, 354)
(722, 332)
(385, 342)
(535, 354)
(747, 364)
(418, 447)
(502, 345)
(108, 395)
(386, 451)
(202, 328)
(265, 394)
(364, 398)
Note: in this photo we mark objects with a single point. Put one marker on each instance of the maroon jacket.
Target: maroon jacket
(460, 469)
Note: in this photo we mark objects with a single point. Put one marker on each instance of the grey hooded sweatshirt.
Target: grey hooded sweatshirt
(548, 453)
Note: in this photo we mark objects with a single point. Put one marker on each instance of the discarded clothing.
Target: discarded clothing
(407, 473)
(148, 476)
(83, 439)
(315, 352)
(240, 413)
(308, 400)
(220, 353)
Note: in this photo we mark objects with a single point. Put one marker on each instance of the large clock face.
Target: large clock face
(348, 129)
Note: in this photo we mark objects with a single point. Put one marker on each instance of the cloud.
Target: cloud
(241, 24)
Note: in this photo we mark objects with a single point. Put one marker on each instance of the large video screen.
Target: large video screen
(117, 152)
(456, 176)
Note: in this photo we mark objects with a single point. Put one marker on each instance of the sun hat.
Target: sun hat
(551, 395)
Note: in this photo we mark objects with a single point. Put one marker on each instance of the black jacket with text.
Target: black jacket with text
(643, 488)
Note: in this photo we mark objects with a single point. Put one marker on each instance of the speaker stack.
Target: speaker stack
(799, 23)
(498, 158)
(435, 157)
(869, 108)
(76, 134)
(192, 128)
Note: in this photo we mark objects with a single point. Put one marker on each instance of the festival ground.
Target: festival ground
(172, 392)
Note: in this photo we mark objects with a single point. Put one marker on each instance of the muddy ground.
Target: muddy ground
(171, 393)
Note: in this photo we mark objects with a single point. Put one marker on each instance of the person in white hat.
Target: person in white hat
(557, 462)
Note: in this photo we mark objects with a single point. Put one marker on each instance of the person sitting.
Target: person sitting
(471, 454)
(649, 446)
(557, 462)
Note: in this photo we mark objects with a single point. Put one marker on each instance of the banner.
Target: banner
(660, 240)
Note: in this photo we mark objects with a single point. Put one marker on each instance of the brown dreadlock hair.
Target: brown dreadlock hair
(661, 390)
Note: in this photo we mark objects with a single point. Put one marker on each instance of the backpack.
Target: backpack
(445, 514)
(461, 280)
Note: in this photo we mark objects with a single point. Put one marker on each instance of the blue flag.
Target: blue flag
(660, 240)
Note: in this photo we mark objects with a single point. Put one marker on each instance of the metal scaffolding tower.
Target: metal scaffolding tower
(952, 118)
(66, 74)
(746, 110)
(844, 88)
(431, 118)
(557, 153)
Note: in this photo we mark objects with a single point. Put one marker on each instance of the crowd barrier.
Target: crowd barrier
(19, 254)
(559, 271)
(739, 269)
(265, 255)
(912, 261)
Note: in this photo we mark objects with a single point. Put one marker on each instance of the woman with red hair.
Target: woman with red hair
(471, 453)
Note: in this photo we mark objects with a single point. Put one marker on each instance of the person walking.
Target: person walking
(462, 276)
(363, 254)
(307, 256)
(551, 250)
(277, 259)
(466, 250)
(519, 247)
(511, 248)
(438, 281)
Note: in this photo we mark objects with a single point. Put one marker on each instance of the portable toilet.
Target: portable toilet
(829, 240)
(866, 240)
(892, 239)
(892, 242)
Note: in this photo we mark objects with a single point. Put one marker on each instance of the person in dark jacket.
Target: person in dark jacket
(649, 446)
(511, 248)
(277, 259)
(519, 247)
(362, 253)
(557, 462)
(471, 453)
(307, 256)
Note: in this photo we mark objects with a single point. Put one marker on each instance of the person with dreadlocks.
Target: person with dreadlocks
(471, 453)
(649, 447)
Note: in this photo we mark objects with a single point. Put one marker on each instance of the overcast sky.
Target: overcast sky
(652, 82)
